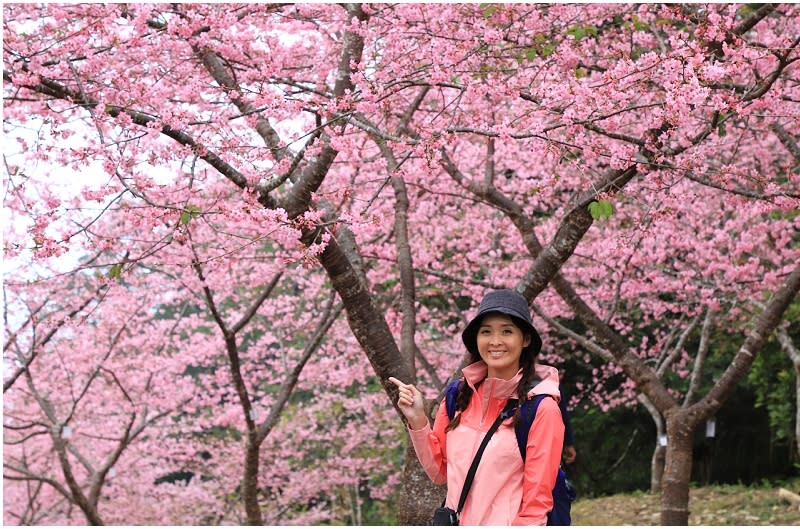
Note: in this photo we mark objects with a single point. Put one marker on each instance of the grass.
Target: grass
(712, 505)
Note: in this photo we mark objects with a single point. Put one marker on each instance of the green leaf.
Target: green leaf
(601, 210)
(577, 32)
(189, 213)
(115, 271)
(488, 10)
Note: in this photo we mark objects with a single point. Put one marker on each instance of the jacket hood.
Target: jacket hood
(546, 385)
(502, 389)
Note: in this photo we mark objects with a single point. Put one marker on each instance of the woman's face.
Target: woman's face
(500, 345)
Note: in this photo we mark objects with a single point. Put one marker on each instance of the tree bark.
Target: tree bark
(366, 321)
(418, 495)
(677, 468)
(250, 481)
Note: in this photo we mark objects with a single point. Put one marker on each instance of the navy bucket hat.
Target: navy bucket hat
(510, 303)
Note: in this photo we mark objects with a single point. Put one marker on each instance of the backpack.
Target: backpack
(563, 492)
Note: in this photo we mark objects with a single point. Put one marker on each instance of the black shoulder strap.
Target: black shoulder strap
(507, 412)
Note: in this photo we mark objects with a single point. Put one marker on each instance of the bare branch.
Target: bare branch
(328, 317)
(35, 347)
(27, 475)
(584, 342)
(209, 296)
(253, 309)
(700, 359)
(676, 351)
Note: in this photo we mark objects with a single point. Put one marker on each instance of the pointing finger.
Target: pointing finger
(396, 382)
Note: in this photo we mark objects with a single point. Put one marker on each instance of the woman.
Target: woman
(503, 345)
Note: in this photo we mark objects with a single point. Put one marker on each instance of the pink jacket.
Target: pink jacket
(502, 492)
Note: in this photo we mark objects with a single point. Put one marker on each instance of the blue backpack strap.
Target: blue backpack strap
(526, 416)
(563, 492)
(450, 395)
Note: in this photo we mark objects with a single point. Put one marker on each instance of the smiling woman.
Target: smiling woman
(503, 345)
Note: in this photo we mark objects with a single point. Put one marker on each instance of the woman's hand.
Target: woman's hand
(411, 404)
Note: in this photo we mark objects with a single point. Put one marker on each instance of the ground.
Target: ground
(714, 505)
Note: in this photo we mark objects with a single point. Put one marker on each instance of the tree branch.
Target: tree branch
(328, 317)
(662, 368)
(27, 475)
(754, 18)
(59, 91)
(700, 359)
(765, 324)
(36, 346)
(786, 140)
(584, 342)
(253, 309)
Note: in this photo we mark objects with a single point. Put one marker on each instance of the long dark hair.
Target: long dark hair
(527, 361)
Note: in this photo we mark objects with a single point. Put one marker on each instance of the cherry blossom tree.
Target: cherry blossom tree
(621, 164)
(80, 400)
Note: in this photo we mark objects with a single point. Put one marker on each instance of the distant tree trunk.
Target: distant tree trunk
(657, 463)
(787, 344)
(659, 452)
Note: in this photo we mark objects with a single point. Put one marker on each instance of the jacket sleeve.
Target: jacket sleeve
(543, 457)
(431, 446)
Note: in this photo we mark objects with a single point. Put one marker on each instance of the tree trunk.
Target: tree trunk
(418, 495)
(250, 482)
(365, 319)
(677, 468)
